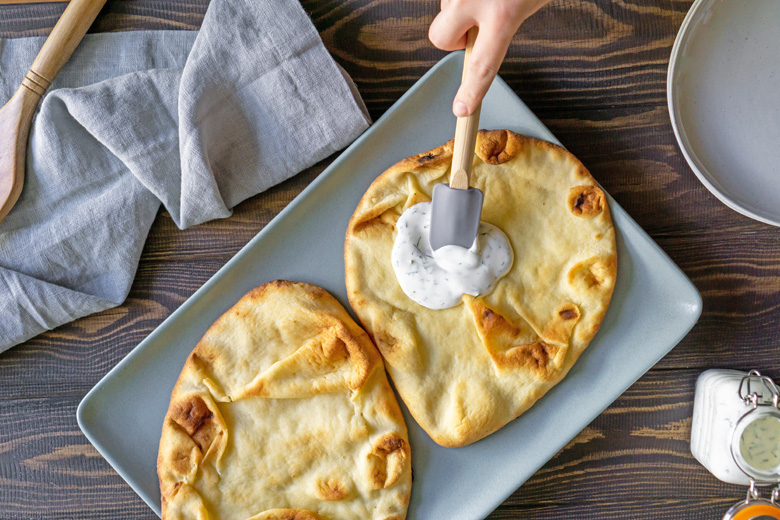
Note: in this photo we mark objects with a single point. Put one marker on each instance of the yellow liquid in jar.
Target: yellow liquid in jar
(759, 443)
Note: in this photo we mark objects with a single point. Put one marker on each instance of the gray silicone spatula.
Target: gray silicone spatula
(456, 208)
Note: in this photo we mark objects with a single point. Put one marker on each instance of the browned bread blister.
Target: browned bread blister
(283, 412)
(466, 371)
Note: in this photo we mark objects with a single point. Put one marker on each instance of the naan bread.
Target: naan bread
(466, 371)
(283, 412)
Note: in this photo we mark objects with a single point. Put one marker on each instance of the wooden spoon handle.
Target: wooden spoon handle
(63, 40)
(465, 132)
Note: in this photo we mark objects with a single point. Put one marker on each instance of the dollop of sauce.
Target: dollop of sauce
(439, 279)
(760, 443)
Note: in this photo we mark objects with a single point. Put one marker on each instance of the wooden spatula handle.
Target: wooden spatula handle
(465, 132)
(63, 40)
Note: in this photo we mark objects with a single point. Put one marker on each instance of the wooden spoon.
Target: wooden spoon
(16, 116)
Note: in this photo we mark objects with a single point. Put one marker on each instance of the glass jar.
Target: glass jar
(735, 434)
(716, 411)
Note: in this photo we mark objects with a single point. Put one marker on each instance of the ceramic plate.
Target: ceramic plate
(723, 90)
(653, 307)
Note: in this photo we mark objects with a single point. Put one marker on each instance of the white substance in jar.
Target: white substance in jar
(717, 410)
(759, 443)
(439, 279)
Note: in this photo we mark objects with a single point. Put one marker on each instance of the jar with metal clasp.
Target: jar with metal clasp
(755, 448)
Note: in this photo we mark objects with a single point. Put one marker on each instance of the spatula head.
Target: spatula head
(455, 216)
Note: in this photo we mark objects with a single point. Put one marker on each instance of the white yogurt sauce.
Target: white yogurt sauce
(716, 411)
(439, 279)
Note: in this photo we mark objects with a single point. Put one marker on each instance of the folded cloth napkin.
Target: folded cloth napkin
(225, 113)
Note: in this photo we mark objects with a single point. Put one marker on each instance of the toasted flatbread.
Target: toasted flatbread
(466, 371)
(283, 412)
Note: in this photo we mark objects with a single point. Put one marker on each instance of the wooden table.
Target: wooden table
(595, 73)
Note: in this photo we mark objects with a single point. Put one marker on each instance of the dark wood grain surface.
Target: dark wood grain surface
(595, 73)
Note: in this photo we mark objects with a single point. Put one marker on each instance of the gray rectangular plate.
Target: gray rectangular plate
(653, 307)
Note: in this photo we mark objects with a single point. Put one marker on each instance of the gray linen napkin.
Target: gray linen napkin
(195, 121)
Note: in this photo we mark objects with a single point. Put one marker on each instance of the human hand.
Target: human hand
(498, 21)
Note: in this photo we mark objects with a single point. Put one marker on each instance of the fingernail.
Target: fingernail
(460, 109)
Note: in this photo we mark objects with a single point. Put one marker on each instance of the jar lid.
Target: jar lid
(755, 440)
(756, 509)
(756, 444)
